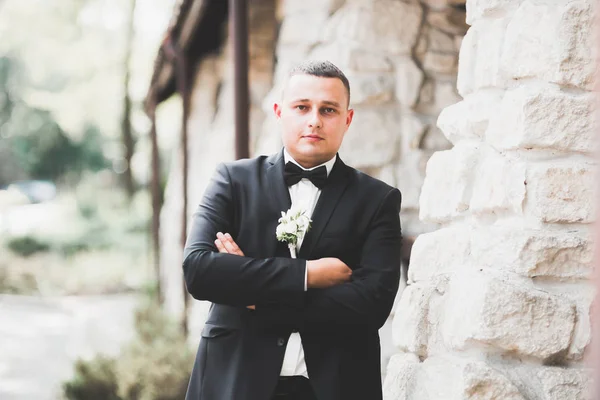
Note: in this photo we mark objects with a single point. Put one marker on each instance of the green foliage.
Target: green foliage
(156, 365)
(96, 380)
(160, 344)
(90, 154)
(26, 246)
(92, 239)
(35, 141)
(41, 147)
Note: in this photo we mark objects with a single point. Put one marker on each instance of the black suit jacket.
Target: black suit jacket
(241, 351)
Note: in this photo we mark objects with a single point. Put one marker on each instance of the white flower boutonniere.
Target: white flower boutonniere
(292, 227)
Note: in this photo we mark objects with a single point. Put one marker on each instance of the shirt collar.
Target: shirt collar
(328, 165)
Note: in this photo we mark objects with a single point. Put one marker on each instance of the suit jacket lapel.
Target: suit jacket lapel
(279, 199)
(330, 195)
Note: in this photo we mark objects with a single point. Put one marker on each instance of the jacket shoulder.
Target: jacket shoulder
(245, 167)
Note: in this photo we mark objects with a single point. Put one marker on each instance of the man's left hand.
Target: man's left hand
(227, 245)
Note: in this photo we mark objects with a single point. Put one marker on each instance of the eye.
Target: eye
(301, 107)
(328, 110)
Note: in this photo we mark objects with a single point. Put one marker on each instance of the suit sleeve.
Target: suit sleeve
(229, 279)
(368, 298)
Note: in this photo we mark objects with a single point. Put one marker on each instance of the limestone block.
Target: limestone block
(399, 379)
(479, 59)
(411, 225)
(553, 42)
(448, 183)
(535, 117)
(409, 78)
(486, 307)
(553, 383)
(351, 58)
(288, 55)
(583, 295)
(269, 139)
(387, 174)
(410, 327)
(481, 382)
(440, 63)
(410, 174)
(529, 253)
(562, 192)
(435, 140)
(413, 130)
(499, 185)
(440, 42)
(468, 119)
(293, 28)
(385, 26)
(371, 88)
(386, 345)
(426, 96)
(534, 253)
(293, 7)
(458, 42)
(436, 4)
(479, 9)
(372, 139)
(454, 378)
(566, 384)
(445, 95)
(451, 20)
(422, 44)
(440, 252)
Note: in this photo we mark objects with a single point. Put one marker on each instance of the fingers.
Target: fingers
(226, 244)
(251, 307)
(220, 246)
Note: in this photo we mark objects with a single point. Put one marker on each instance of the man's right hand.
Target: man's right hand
(327, 272)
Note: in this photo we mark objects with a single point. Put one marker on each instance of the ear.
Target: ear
(349, 118)
(277, 110)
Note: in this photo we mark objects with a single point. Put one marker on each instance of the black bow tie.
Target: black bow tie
(293, 174)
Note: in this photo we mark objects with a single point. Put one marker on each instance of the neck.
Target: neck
(308, 163)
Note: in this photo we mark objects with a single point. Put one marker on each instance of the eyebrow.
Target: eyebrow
(327, 102)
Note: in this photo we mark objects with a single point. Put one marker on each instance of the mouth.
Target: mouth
(312, 137)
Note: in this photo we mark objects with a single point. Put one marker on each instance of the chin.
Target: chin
(310, 151)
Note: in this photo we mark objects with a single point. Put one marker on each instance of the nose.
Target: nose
(315, 120)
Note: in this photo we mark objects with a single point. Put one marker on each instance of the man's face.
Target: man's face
(314, 118)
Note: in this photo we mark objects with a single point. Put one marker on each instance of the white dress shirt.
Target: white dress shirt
(304, 195)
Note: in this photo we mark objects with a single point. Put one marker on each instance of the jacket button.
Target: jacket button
(280, 342)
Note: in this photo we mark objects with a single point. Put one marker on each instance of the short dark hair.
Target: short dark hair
(321, 68)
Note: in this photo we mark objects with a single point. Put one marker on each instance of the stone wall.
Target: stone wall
(498, 302)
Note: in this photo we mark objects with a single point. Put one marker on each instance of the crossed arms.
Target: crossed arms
(276, 285)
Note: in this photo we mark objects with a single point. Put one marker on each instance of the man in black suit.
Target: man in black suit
(304, 328)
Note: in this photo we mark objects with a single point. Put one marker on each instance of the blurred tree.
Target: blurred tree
(126, 127)
(34, 143)
(74, 53)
